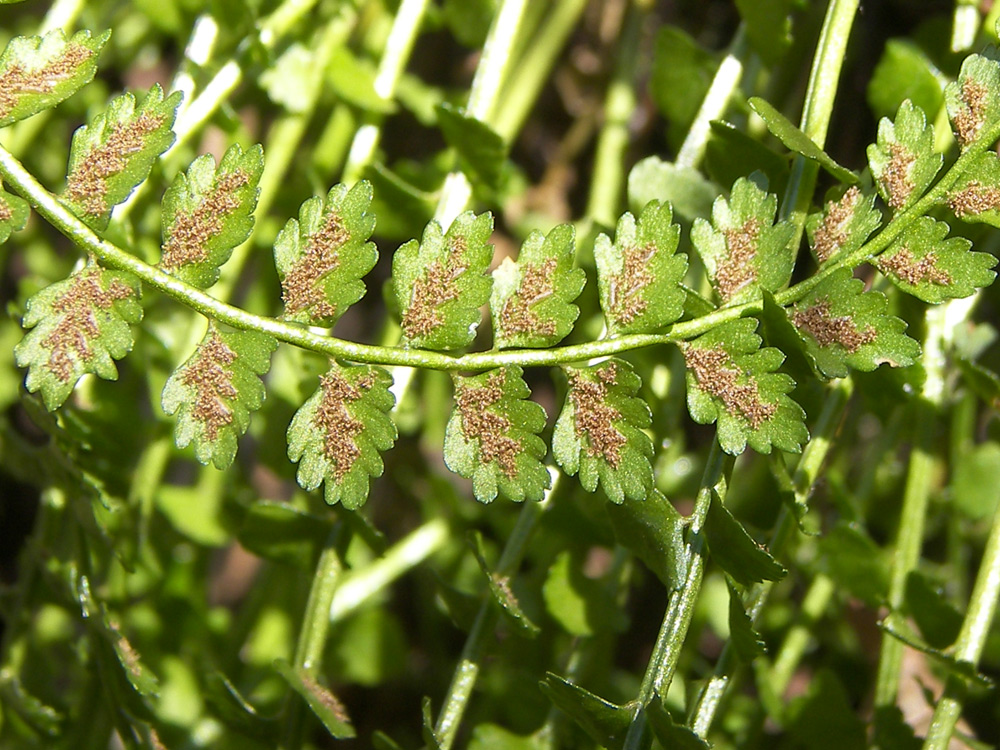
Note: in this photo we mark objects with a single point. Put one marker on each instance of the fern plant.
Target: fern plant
(756, 302)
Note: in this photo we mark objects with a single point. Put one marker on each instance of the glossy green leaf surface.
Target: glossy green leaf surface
(903, 160)
(322, 257)
(599, 434)
(844, 327)
(732, 380)
(207, 212)
(78, 326)
(639, 274)
(338, 434)
(743, 249)
(115, 151)
(214, 392)
(532, 299)
(441, 282)
(492, 436)
(38, 72)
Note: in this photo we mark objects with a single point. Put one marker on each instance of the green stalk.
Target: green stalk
(466, 673)
(521, 92)
(806, 473)
(971, 639)
(677, 619)
(919, 481)
(607, 184)
(312, 635)
(484, 96)
(398, 47)
(799, 636)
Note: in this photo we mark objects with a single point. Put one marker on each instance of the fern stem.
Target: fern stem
(806, 473)
(398, 47)
(919, 482)
(677, 619)
(715, 103)
(521, 91)
(607, 185)
(312, 635)
(484, 96)
(971, 639)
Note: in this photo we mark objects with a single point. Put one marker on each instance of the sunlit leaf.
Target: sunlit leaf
(733, 381)
(38, 72)
(79, 326)
(843, 226)
(115, 151)
(925, 264)
(843, 326)
(975, 198)
(14, 213)
(322, 257)
(600, 431)
(337, 435)
(743, 249)
(441, 282)
(971, 98)
(640, 273)
(207, 212)
(903, 159)
(532, 298)
(214, 392)
(492, 436)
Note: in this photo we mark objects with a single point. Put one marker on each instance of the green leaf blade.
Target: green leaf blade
(492, 436)
(441, 282)
(843, 326)
(731, 380)
(931, 266)
(797, 141)
(735, 551)
(971, 99)
(599, 434)
(39, 72)
(78, 326)
(640, 273)
(207, 212)
(843, 226)
(214, 392)
(743, 249)
(532, 298)
(14, 214)
(338, 433)
(481, 148)
(322, 257)
(903, 160)
(115, 152)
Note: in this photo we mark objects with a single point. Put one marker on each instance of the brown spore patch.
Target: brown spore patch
(339, 428)
(330, 702)
(831, 235)
(6, 214)
(70, 339)
(86, 186)
(192, 231)
(905, 267)
(536, 285)
(16, 81)
(595, 419)
(301, 289)
(486, 426)
(738, 269)
(715, 376)
(827, 329)
(895, 178)
(624, 289)
(969, 120)
(210, 377)
(438, 285)
(975, 198)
